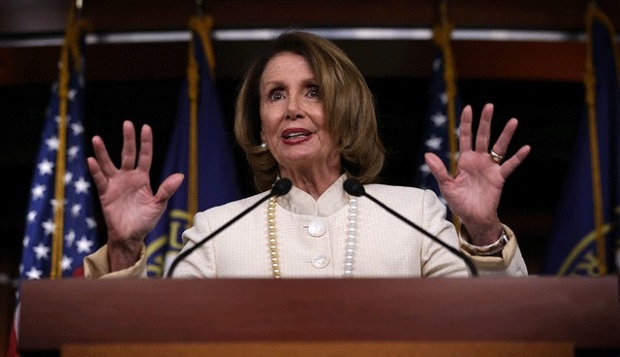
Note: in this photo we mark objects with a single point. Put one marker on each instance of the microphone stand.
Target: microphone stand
(355, 188)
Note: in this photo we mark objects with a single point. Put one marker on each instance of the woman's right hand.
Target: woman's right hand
(129, 207)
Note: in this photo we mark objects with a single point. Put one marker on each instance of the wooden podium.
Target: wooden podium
(304, 317)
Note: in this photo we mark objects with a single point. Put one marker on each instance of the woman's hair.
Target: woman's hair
(347, 102)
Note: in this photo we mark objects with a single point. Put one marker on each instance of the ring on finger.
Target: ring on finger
(496, 157)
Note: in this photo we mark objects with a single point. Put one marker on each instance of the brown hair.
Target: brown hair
(347, 101)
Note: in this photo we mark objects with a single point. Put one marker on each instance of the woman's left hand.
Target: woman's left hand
(473, 194)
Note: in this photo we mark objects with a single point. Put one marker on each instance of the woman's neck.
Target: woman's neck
(315, 183)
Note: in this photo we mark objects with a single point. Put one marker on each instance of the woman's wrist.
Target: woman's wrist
(486, 250)
(123, 255)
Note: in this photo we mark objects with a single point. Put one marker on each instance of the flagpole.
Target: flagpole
(193, 79)
(441, 36)
(69, 51)
(59, 185)
(200, 26)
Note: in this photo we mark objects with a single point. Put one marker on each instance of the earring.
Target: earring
(263, 145)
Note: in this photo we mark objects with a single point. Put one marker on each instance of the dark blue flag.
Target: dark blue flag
(217, 179)
(61, 160)
(585, 234)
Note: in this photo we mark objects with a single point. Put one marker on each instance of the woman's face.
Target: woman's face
(292, 115)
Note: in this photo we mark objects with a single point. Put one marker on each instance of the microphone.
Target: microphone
(279, 188)
(355, 188)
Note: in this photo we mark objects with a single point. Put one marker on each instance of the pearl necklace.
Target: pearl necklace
(349, 251)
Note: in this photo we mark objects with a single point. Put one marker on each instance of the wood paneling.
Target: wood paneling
(561, 61)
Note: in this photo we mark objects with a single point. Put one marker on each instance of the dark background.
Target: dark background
(540, 83)
(545, 109)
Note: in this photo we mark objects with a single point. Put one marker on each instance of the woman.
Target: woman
(305, 113)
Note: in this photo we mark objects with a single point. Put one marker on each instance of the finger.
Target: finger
(128, 155)
(104, 162)
(437, 167)
(508, 167)
(484, 129)
(465, 134)
(100, 180)
(501, 145)
(146, 148)
(167, 188)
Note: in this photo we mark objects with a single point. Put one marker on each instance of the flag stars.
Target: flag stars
(439, 119)
(70, 238)
(81, 186)
(38, 191)
(41, 251)
(57, 118)
(443, 97)
(52, 143)
(84, 245)
(55, 205)
(425, 170)
(72, 152)
(76, 209)
(68, 178)
(91, 222)
(77, 128)
(48, 227)
(34, 273)
(45, 167)
(75, 230)
(32, 215)
(66, 263)
(434, 143)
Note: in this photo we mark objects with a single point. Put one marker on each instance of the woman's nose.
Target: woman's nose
(294, 110)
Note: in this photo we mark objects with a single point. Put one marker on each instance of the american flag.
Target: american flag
(441, 134)
(436, 136)
(79, 227)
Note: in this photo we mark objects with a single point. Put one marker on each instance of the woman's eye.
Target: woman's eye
(313, 92)
(275, 95)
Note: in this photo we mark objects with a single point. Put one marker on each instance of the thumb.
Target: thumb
(437, 167)
(167, 188)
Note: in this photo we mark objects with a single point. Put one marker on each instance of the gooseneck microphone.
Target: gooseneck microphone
(355, 188)
(279, 188)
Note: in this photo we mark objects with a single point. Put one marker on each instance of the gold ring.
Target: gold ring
(496, 157)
